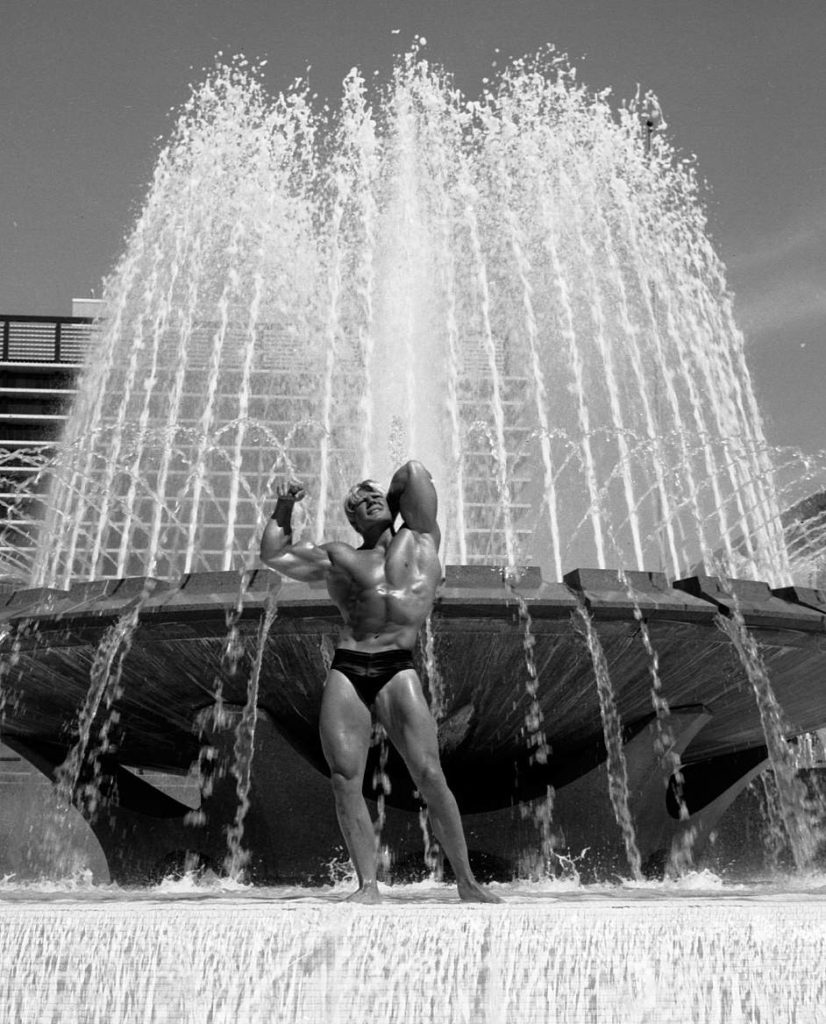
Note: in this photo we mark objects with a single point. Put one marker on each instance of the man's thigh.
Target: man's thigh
(344, 725)
(402, 710)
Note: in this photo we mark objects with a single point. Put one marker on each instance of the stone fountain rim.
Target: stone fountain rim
(467, 592)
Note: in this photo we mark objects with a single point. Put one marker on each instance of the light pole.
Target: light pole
(652, 119)
(651, 116)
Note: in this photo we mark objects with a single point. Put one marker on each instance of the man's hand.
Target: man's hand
(287, 495)
(291, 491)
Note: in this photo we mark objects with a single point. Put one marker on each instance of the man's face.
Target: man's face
(371, 508)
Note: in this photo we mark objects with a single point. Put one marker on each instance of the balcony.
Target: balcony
(40, 357)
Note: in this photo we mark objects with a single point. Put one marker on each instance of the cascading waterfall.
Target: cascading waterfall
(515, 290)
(699, 961)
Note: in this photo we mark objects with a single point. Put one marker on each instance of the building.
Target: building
(40, 358)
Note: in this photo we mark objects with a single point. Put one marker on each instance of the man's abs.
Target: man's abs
(372, 632)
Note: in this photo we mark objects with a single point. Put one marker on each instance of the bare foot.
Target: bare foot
(365, 894)
(472, 892)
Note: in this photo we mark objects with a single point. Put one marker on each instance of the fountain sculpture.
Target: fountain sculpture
(520, 292)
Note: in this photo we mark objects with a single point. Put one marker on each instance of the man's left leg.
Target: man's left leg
(402, 710)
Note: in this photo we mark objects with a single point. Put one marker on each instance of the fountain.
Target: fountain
(516, 287)
(518, 290)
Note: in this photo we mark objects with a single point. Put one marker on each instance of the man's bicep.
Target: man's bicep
(315, 555)
(303, 562)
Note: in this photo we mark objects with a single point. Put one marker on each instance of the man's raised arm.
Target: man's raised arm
(298, 561)
(413, 495)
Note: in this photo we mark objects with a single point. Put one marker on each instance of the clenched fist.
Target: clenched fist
(292, 491)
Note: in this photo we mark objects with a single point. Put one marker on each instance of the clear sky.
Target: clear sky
(88, 88)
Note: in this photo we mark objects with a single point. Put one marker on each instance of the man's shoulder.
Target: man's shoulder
(338, 550)
(336, 545)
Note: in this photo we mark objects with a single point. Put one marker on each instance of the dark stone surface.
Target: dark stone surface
(758, 604)
(809, 597)
(181, 655)
(607, 595)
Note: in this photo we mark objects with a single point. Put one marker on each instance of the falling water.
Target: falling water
(104, 689)
(665, 745)
(798, 813)
(432, 674)
(244, 751)
(612, 733)
(514, 282)
(382, 788)
(535, 737)
(537, 741)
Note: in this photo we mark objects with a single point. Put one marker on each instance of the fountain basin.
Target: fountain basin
(178, 661)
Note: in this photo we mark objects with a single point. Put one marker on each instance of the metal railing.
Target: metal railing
(45, 339)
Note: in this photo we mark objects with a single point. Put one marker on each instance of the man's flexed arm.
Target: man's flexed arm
(413, 495)
(298, 561)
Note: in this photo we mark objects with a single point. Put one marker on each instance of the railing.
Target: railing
(45, 339)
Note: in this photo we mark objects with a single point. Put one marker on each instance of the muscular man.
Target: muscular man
(384, 591)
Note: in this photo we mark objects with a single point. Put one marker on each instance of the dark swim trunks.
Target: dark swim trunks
(370, 672)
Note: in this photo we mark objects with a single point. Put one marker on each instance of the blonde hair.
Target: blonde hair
(355, 494)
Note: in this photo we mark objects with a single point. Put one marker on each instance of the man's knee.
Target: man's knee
(428, 776)
(345, 783)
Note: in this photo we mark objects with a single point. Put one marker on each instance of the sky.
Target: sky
(89, 90)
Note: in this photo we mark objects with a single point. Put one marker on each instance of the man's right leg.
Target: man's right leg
(345, 725)
(403, 711)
